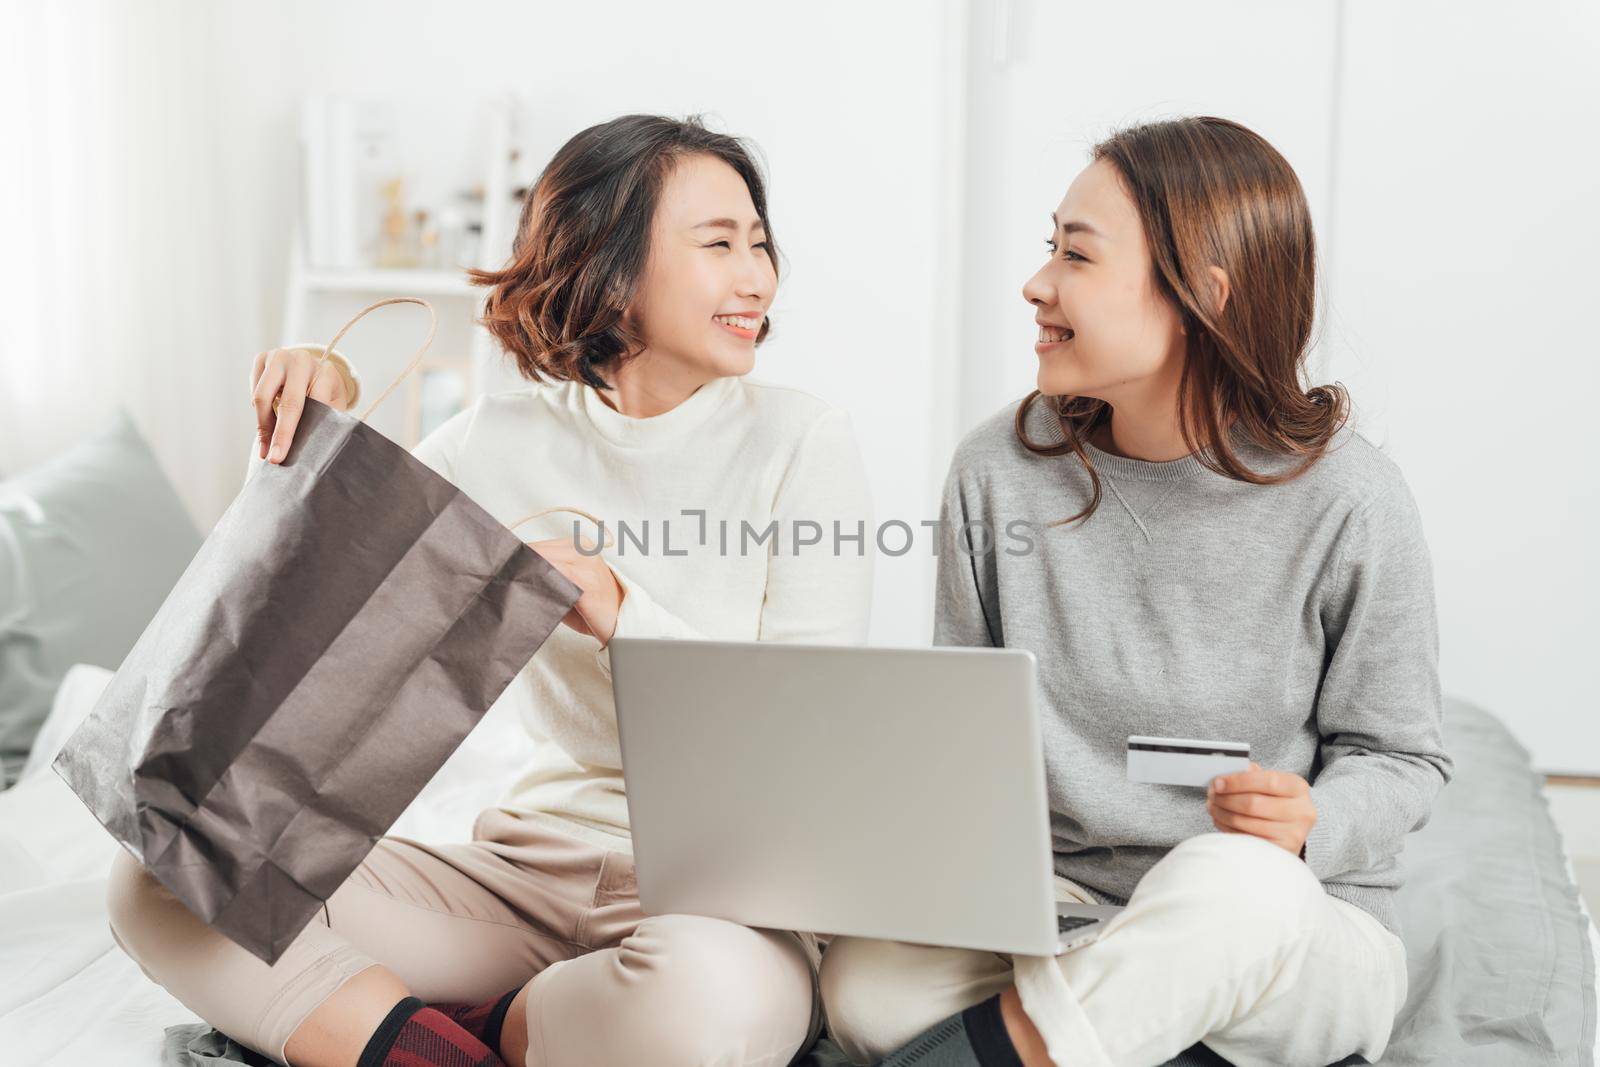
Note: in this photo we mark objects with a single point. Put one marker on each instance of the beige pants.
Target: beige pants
(467, 922)
(1228, 939)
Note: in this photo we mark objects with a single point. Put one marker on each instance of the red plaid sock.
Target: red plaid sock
(415, 1035)
(483, 1021)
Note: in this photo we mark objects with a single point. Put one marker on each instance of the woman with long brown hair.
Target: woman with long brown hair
(638, 288)
(1212, 554)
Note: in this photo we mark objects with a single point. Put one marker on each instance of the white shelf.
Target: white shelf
(306, 282)
(391, 281)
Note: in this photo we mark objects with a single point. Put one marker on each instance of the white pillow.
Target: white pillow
(79, 692)
(46, 833)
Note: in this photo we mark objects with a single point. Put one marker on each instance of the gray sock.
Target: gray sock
(975, 1037)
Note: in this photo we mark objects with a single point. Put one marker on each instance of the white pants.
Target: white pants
(1228, 939)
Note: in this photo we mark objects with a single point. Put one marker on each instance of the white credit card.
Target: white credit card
(1177, 761)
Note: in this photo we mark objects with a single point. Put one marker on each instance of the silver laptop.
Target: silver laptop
(881, 792)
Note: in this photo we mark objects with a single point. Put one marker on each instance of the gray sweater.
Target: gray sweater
(1297, 617)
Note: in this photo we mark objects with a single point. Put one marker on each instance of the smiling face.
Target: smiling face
(1105, 330)
(710, 279)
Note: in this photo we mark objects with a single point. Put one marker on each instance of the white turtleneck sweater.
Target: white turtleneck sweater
(742, 451)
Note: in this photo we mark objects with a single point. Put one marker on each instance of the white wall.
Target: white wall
(1465, 276)
(1048, 80)
(850, 104)
(1449, 155)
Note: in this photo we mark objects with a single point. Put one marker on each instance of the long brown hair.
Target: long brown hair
(583, 243)
(1209, 191)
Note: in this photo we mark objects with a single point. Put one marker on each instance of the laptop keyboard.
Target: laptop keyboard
(1072, 922)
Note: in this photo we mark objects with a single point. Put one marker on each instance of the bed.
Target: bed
(1502, 951)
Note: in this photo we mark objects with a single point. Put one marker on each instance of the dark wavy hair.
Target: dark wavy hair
(583, 243)
(1209, 191)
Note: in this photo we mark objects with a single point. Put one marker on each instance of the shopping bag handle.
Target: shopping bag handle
(433, 326)
(606, 540)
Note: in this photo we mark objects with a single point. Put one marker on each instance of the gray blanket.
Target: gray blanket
(1500, 963)
(1501, 967)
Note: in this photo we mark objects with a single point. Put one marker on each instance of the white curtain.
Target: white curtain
(117, 288)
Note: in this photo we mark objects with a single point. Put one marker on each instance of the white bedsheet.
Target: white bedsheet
(68, 994)
(1594, 943)
(1594, 939)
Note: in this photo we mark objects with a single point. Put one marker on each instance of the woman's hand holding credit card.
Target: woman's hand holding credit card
(1272, 805)
(1241, 797)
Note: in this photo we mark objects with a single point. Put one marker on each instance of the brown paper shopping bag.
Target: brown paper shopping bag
(345, 625)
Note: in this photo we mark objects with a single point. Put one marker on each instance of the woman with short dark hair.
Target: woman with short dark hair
(638, 289)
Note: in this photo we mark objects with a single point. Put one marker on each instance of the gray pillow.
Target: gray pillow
(91, 542)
